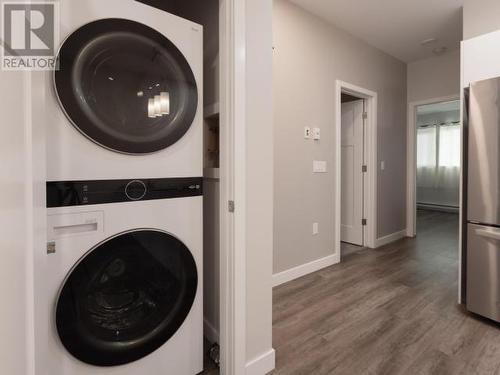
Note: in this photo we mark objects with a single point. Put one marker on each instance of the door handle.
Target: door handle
(488, 233)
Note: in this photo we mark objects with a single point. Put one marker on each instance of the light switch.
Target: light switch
(319, 166)
(307, 132)
(315, 229)
(382, 165)
(316, 134)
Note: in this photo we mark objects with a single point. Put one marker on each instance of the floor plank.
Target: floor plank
(392, 310)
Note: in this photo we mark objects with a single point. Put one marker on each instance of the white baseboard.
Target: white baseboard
(305, 269)
(262, 365)
(210, 332)
(391, 238)
(409, 233)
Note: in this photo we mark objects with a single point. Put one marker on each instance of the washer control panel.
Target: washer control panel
(80, 193)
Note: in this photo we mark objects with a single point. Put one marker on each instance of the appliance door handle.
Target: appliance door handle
(493, 234)
(76, 228)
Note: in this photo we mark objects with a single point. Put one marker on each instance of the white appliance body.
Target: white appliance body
(71, 155)
(77, 230)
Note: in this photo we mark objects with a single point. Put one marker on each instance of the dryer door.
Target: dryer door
(126, 86)
(126, 298)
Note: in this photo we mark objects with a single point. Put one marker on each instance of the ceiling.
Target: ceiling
(397, 27)
(439, 107)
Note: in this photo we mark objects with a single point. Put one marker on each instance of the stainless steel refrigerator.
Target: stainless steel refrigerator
(482, 193)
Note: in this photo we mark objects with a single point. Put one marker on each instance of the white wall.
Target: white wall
(16, 221)
(480, 17)
(481, 58)
(309, 56)
(434, 77)
(259, 180)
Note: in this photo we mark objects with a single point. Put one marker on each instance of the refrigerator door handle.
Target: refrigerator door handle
(494, 234)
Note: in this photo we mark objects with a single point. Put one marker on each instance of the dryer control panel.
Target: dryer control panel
(82, 193)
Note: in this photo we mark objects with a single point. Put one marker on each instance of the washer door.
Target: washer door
(126, 298)
(126, 86)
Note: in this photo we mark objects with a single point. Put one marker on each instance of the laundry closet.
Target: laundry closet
(129, 280)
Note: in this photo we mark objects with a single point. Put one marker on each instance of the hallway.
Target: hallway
(392, 310)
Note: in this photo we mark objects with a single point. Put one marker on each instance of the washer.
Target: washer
(120, 288)
(127, 98)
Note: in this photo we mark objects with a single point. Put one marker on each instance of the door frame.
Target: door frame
(370, 151)
(232, 304)
(411, 160)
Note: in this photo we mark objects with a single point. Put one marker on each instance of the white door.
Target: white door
(352, 173)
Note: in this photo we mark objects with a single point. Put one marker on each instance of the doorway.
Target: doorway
(353, 166)
(356, 168)
(434, 160)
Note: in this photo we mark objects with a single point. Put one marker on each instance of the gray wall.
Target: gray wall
(481, 17)
(435, 77)
(309, 56)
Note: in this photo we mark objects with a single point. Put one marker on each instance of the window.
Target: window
(426, 147)
(438, 146)
(449, 146)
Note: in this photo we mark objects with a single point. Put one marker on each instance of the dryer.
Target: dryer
(126, 101)
(120, 289)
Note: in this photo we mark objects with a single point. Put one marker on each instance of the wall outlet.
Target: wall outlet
(315, 229)
(316, 134)
(307, 132)
(319, 166)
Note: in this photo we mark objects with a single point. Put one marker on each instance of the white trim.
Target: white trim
(210, 331)
(370, 190)
(263, 364)
(305, 269)
(391, 238)
(462, 161)
(411, 161)
(34, 158)
(232, 177)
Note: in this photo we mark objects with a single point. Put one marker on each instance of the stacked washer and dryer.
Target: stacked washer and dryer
(120, 289)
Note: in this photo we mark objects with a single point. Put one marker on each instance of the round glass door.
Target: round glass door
(126, 298)
(126, 86)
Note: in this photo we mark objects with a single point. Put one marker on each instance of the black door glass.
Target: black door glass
(126, 298)
(126, 86)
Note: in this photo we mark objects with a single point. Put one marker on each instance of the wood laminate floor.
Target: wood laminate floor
(392, 310)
